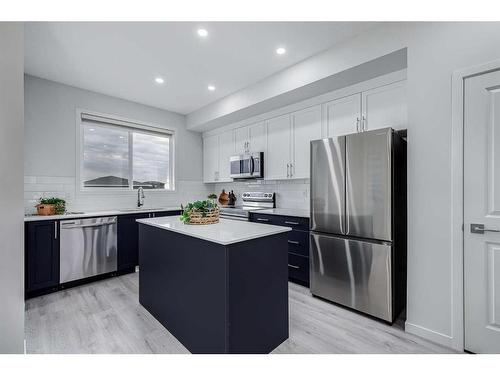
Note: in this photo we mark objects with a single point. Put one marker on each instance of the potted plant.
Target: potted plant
(51, 206)
(201, 212)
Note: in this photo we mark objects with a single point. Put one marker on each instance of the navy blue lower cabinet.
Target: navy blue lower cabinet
(41, 257)
(208, 296)
(298, 243)
(128, 241)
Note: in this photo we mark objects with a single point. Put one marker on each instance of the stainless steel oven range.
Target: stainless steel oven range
(252, 201)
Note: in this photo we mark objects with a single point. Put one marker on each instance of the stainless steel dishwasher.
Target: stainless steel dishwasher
(87, 248)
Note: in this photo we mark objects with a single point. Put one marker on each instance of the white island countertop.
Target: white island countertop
(225, 232)
(123, 211)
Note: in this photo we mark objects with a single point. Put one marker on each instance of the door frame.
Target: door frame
(457, 197)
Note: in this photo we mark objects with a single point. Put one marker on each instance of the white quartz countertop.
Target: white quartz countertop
(297, 212)
(225, 232)
(123, 211)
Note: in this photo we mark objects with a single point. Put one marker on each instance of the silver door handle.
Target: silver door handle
(357, 124)
(287, 170)
(363, 127)
(292, 266)
(260, 219)
(291, 222)
(294, 242)
(479, 229)
(291, 170)
(55, 230)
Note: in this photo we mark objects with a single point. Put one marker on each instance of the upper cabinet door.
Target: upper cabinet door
(210, 158)
(343, 116)
(277, 159)
(385, 107)
(226, 150)
(306, 128)
(257, 137)
(240, 140)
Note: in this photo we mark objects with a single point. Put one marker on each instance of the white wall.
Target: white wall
(11, 197)
(50, 147)
(435, 51)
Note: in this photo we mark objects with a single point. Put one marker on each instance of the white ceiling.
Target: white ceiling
(122, 59)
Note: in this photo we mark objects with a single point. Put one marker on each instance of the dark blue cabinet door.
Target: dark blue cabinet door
(41, 255)
(128, 241)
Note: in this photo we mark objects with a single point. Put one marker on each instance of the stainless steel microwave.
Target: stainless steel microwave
(247, 165)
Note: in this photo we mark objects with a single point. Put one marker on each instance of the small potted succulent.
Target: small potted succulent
(201, 212)
(51, 206)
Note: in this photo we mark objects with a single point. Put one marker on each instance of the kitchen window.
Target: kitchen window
(117, 154)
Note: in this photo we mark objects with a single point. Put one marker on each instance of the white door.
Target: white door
(277, 159)
(240, 140)
(343, 116)
(306, 128)
(385, 107)
(482, 207)
(257, 137)
(226, 150)
(210, 158)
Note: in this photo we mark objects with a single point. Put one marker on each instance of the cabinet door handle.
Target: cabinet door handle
(287, 170)
(292, 266)
(291, 170)
(294, 242)
(261, 219)
(55, 230)
(364, 124)
(357, 124)
(291, 222)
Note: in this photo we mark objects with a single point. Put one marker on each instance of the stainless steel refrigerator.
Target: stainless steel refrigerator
(358, 221)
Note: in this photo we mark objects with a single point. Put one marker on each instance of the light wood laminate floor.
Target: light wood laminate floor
(106, 317)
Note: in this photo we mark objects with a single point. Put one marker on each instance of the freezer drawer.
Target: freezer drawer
(352, 273)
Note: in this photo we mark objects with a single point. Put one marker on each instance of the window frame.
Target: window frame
(131, 126)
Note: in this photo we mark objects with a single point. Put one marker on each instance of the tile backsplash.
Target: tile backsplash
(289, 193)
(65, 187)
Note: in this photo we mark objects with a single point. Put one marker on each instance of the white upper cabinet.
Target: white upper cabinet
(226, 150)
(257, 137)
(277, 158)
(306, 127)
(241, 140)
(384, 107)
(343, 116)
(250, 138)
(210, 158)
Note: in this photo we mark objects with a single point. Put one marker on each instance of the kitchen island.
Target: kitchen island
(219, 288)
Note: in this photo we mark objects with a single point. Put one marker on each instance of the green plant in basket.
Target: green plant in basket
(59, 204)
(201, 206)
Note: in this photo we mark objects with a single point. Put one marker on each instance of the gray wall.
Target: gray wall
(11, 198)
(435, 51)
(50, 142)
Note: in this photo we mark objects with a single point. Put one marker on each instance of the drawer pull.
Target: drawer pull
(292, 266)
(294, 242)
(261, 219)
(291, 222)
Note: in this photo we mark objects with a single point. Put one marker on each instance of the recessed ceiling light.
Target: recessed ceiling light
(159, 80)
(211, 88)
(203, 33)
(280, 51)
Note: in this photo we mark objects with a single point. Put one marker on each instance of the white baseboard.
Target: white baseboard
(429, 334)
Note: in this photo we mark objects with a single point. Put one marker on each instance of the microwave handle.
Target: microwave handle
(252, 165)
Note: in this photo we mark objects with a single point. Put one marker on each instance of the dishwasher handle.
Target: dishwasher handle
(76, 224)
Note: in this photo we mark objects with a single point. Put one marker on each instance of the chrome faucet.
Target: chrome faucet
(140, 197)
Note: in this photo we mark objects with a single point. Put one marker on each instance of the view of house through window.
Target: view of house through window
(122, 157)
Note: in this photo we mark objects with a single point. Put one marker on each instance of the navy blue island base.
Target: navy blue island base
(216, 298)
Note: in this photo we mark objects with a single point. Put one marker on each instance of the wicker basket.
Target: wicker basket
(46, 209)
(197, 218)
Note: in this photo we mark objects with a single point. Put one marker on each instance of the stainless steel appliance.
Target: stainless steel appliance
(246, 166)
(358, 221)
(252, 201)
(87, 248)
